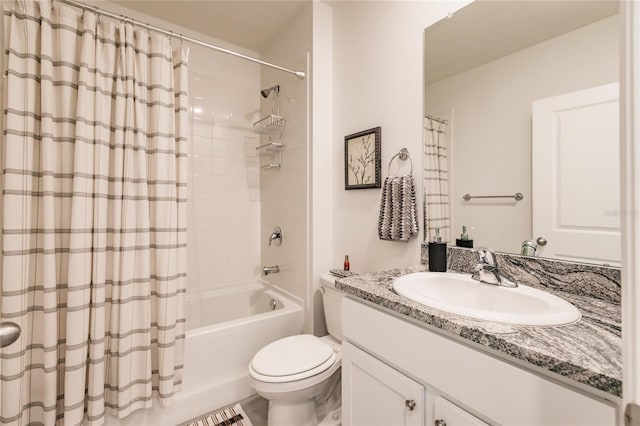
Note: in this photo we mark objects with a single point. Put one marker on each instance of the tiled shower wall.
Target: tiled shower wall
(224, 178)
(286, 191)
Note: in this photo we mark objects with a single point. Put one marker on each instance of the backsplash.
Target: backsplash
(602, 282)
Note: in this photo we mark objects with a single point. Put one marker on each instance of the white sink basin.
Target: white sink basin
(459, 294)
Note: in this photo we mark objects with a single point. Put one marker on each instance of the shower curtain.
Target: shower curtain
(93, 216)
(436, 192)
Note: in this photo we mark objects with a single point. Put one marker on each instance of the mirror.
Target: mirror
(522, 98)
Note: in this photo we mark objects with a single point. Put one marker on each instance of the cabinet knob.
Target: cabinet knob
(410, 404)
(439, 422)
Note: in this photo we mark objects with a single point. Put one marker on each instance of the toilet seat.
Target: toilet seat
(292, 358)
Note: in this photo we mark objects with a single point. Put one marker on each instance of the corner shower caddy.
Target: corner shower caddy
(270, 126)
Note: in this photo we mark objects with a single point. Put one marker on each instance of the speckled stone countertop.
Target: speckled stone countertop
(588, 351)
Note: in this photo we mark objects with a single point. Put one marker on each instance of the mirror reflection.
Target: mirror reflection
(521, 131)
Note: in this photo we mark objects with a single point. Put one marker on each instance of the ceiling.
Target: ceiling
(486, 30)
(475, 34)
(251, 24)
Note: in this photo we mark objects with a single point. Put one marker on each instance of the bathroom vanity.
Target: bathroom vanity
(407, 364)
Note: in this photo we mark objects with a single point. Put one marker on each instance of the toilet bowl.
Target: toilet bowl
(292, 373)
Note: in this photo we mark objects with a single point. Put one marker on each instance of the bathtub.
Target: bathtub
(226, 326)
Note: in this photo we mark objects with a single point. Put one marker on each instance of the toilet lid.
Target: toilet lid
(293, 356)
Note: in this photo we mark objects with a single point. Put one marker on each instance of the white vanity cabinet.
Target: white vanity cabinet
(446, 413)
(376, 394)
(388, 362)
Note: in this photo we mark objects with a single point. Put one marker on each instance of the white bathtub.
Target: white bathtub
(226, 326)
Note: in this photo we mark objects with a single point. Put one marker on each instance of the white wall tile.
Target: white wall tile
(220, 148)
(284, 192)
(224, 226)
(201, 146)
(201, 128)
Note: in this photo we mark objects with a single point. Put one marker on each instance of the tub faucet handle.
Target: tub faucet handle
(276, 236)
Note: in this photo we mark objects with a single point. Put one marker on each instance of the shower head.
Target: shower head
(266, 92)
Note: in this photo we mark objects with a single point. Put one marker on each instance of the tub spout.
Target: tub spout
(266, 270)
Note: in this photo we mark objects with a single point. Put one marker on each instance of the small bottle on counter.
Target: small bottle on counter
(464, 240)
(437, 254)
(347, 265)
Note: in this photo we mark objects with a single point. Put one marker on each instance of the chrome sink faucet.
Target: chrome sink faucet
(486, 271)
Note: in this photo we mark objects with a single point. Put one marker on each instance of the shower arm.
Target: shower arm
(275, 101)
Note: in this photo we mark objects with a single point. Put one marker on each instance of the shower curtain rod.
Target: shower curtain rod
(439, 120)
(83, 6)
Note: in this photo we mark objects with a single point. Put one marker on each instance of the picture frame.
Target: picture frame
(362, 159)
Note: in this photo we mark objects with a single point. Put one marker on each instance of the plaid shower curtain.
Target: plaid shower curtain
(93, 216)
(436, 178)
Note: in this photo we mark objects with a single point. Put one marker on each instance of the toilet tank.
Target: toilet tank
(332, 302)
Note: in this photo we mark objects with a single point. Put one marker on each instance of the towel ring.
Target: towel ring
(404, 155)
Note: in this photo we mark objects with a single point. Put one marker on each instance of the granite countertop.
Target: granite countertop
(588, 351)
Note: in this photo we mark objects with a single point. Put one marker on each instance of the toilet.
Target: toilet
(297, 372)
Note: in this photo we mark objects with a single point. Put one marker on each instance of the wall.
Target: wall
(285, 191)
(230, 226)
(377, 81)
(493, 142)
(224, 180)
(322, 168)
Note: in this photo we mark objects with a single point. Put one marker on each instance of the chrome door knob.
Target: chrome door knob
(410, 404)
(9, 333)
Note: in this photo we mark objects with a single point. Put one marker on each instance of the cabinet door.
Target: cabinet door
(447, 414)
(374, 394)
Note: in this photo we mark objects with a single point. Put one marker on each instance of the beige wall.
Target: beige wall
(489, 108)
(322, 168)
(377, 81)
(366, 71)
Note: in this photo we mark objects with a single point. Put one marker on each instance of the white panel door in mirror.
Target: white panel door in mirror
(575, 171)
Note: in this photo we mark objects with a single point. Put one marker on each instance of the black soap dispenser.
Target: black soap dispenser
(437, 254)
(464, 240)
